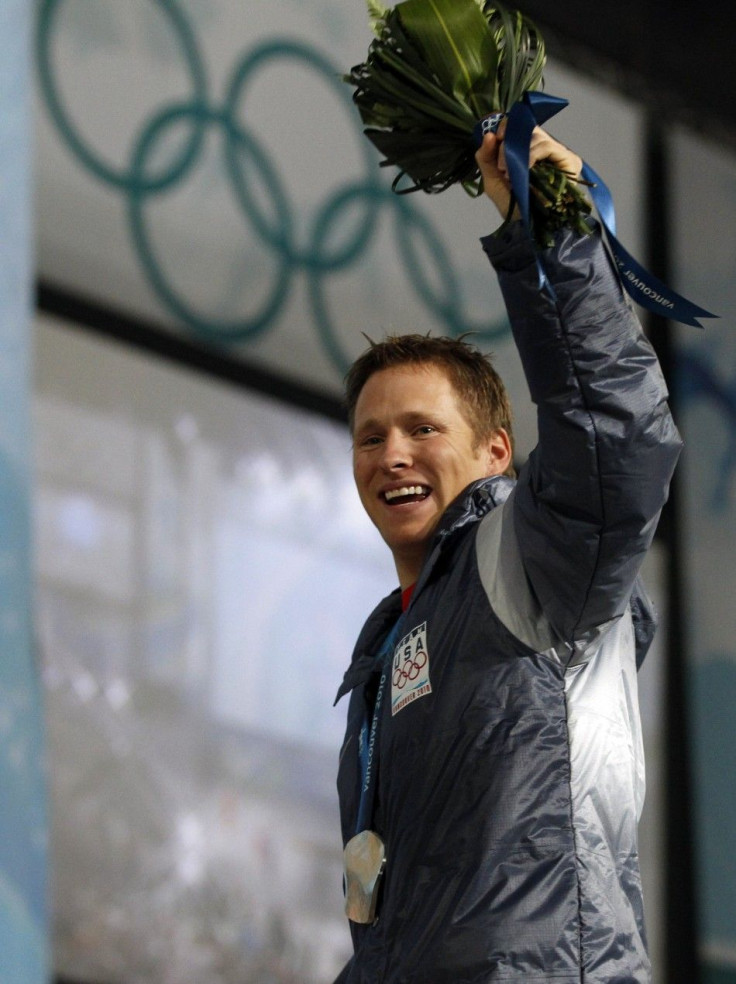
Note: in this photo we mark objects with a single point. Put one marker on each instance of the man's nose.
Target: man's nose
(396, 451)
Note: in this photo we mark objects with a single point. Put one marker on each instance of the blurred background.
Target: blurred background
(193, 235)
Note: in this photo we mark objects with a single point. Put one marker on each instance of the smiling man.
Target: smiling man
(415, 449)
(491, 777)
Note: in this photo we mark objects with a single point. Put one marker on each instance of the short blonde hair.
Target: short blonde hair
(479, 388)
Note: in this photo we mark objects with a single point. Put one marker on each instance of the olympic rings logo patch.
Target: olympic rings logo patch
(410, 669)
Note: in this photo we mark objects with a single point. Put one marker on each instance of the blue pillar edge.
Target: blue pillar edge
(24, 948)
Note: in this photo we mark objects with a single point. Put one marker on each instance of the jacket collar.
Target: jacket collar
(377, 626)
(473, 503)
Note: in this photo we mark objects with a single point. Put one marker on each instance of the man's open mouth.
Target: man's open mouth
(407, 493)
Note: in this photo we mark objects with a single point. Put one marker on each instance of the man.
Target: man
(493, 749)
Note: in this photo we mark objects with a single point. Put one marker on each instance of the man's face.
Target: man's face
(413, 453)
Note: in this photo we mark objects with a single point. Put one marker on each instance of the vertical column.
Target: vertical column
(680, 912)
(704, 244)
(23, 829)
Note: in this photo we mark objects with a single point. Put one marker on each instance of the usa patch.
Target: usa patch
(410, 669)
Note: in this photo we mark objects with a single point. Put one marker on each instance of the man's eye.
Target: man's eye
(425, 429)
(369, 442)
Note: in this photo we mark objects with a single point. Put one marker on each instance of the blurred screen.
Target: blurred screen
(203, 568)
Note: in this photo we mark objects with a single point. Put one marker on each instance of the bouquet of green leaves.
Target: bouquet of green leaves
(434, 69)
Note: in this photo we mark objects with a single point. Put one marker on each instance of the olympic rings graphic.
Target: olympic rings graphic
(243, 140)
(309, 258)
(409, 670)
(252, 175)
(93, 161)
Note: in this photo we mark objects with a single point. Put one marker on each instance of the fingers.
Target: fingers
(543, 147)
(491, 160)
(487, 153)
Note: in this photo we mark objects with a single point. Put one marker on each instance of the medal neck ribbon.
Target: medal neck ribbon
(368, 746)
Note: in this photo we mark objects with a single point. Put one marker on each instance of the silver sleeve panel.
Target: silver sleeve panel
(588, 500)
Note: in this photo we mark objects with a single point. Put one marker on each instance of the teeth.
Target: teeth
(406, 490)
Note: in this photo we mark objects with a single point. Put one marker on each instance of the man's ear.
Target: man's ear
(498, 449)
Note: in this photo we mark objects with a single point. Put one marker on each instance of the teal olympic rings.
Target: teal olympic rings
(93, 161)
(203, 116)
(408, 225)
(308, 257)
(343, 226)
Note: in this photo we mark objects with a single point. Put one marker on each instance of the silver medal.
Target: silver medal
(365, 859)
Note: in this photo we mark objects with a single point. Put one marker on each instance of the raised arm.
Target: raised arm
(588, 499)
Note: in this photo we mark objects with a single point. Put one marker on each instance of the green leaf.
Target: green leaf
(411, 108)
(521, 53)
(417, 160)
(377, 16)
(454, 37)
(441, 99)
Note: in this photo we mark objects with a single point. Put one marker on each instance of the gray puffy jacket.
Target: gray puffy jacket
(510, 787)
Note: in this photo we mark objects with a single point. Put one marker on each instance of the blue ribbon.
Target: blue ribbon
(646, 289)
(369, 734)
(534, 109)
